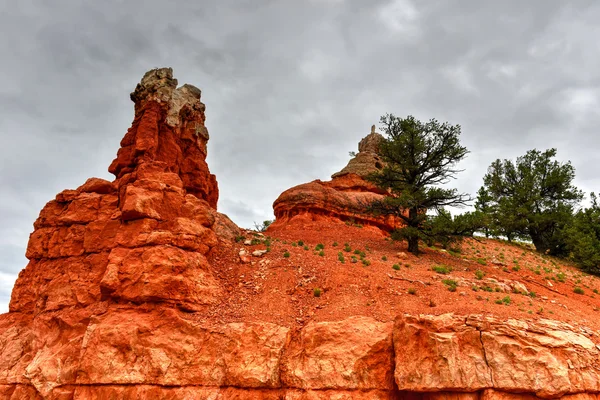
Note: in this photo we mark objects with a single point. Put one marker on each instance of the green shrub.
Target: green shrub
(506, 301)
(319, 246)
(322, 253)
(384, 258)
(317, 292)
(300, 243)
(366, 263)
(239, 238)
(396, 267)
(357, 251)
(286, 254)
(341, 257)
(335, 244)
(441, 269)
(353, 260)
(479, 274)
(347, 248)
(578, 290)
(451, 283)
(305, 247)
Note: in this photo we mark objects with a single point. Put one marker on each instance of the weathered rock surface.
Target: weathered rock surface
(342, 198)
(143, 237)
(366, 161)
(123, 352)
(471, 353)
(114, 303)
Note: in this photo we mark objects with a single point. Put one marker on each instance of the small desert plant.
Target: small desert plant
(239, 238)
(335, 244)
(412, 291)
(578, 290)
(317, 292)
(305, 247)
(319, 246)
(263, 227)
(451, 283)
(347, 248)
(366, 263)
(384, 258)
(341, 257)
(286, 254)
(322, 253)
(300, 243)
(396, 267)
(479, 274)
(441, 269)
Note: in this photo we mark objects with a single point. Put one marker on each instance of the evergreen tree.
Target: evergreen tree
(582, 238)
(532, 198)
(418, 157)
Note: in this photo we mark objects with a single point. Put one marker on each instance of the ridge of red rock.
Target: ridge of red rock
(342, 198)
(119, 299)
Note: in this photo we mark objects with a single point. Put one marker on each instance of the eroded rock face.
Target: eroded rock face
(343, 198)
(114, 301)
(471, 353)
(143, 237)
(117, 352)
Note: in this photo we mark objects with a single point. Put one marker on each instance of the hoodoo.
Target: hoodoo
(134, 290)
(342, 198)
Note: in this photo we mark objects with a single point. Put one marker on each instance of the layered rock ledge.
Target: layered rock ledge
(127, 353)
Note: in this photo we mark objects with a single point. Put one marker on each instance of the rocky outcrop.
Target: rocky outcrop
(115, 303)
(124, 353)
(143, 237)
(344, 198)
(366, 161)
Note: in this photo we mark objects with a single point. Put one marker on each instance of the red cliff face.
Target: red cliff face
(341, 199)
(119, 300)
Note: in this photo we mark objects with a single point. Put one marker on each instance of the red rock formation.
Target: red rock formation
(113, 304)
(341, 199)
(143, 237)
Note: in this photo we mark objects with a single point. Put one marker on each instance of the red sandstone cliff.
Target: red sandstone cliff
(116, 302)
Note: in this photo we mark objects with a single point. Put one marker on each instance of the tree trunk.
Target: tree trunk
(413, 239)
(413, 245)
(540, 243)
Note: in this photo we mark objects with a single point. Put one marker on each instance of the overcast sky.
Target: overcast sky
(290, 87)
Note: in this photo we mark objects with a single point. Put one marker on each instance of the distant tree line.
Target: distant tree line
(532, 198)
